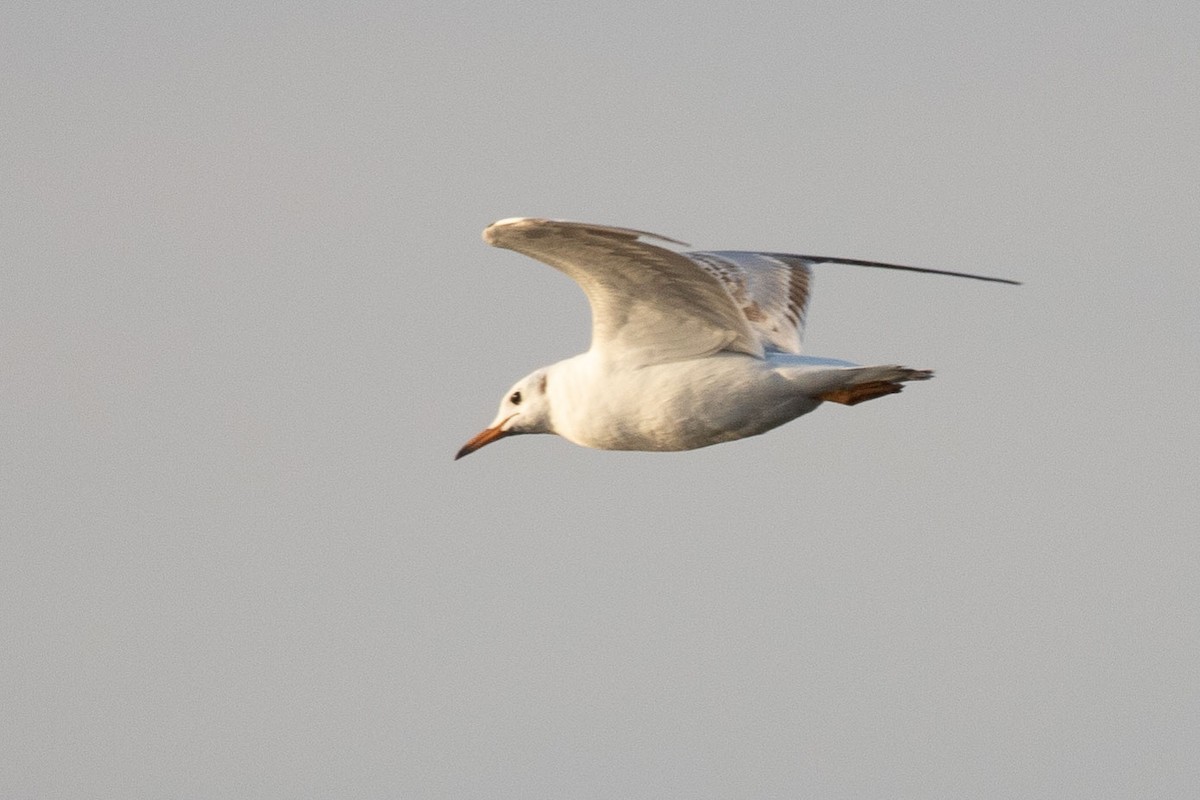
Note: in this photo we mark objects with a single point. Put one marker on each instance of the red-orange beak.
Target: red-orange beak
(486, 436)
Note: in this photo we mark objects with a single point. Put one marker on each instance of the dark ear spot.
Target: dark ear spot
(542, 383)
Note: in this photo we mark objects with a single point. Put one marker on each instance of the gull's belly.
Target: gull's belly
(679, 405)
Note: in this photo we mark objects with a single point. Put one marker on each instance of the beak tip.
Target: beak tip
(485, 436)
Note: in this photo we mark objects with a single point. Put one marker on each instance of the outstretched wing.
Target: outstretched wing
(772, 289)
(649, 304)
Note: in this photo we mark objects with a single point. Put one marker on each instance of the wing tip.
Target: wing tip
(492, 233)
(858, 262)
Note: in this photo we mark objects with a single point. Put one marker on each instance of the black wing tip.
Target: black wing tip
(858, 262)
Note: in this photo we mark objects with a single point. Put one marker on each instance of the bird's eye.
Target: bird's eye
(515, 398)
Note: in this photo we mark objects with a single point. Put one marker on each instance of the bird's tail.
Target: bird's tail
(852, 385)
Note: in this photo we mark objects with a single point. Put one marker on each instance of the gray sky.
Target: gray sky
(246, 320)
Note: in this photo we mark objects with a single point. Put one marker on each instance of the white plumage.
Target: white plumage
(688, 349)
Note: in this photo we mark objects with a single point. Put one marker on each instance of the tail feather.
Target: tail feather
(854, 385)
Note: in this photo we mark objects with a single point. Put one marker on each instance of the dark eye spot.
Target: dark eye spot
(515, 398)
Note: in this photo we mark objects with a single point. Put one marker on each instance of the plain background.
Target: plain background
(246, 320)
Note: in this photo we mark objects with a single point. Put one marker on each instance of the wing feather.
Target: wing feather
(649, 304)
(652, 305)
(772, 291)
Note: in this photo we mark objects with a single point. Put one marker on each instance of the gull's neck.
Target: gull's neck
(569, 385)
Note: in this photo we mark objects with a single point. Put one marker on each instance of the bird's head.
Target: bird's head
(524, 409)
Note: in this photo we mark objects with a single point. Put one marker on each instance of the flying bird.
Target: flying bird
(688, 349)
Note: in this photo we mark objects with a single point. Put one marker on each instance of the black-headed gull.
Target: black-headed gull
(688, 349)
